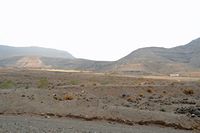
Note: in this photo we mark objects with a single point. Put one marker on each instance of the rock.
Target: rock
(126, 105)
(189, 110)
(125, 95)
(48, 117)
(193, 115)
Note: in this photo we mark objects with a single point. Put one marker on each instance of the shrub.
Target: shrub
(43, 83)
(105, 82)
(82, 85)
(188, 91)
(74, 82)
(162, 110)
(149, 91)
(68, 97)
(130, 99)
(141, 95)
(8, 84)
(26, 87)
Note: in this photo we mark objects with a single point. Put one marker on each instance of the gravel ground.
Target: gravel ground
(30, 124)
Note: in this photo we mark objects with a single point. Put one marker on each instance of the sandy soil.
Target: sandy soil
(30, 124)
(83, 97)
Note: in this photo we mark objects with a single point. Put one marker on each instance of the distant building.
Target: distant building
(174, 75)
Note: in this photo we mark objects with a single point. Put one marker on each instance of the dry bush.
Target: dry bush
(43, 83)
(8, 84)
(162, 110)
(68, 97)
(149, 91)
(74, 82)
(82, 85)
(141, 95)
(188, 91)
(130, 99)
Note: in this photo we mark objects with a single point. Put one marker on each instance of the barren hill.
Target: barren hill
(150, 60)
(8, 51)
(162, 60)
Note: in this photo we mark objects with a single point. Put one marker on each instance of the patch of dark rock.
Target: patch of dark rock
(23, 95)
(192, 111)
(125, 95)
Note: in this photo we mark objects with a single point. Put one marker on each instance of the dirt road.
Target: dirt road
(24, 124)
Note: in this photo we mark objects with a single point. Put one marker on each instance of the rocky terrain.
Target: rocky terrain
(170, 105)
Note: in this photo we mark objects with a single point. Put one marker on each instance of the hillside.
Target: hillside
(162, 60)
(8, 51)
(144, 61)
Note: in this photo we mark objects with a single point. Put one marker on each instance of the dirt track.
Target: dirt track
(23, 124)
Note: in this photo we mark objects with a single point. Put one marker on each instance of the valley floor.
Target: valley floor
(30, 124)
(45, 101)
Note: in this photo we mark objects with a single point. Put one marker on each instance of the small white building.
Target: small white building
(174, 75)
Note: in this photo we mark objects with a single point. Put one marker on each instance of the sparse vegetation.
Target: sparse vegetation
(162, 110)
(88, 95)
(130, 99)
(82, 85)
(188, 91)
(43, 83)
(74, 82)
(149, 91)
(105, 82)
(68, 97)
(141, 95)
(8, 84)
(26, 87)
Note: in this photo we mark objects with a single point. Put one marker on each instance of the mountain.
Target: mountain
(144, 61)
(77, 64)
(162, 60)
(29, 57)
(8, 51)
(38, 57)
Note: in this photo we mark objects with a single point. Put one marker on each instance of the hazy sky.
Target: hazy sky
(99, 29)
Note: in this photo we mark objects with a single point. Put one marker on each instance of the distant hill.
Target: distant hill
(144, 61)
(8, 51)
(162, 60)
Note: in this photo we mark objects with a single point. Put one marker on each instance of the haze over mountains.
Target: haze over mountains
(8, 51)
(151, 60)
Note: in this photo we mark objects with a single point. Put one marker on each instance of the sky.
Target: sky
(99, 29)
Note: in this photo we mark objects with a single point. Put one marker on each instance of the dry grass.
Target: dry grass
(68, 97)
(141, 95)
(8, 84)
(130, 99)
(43, 83)
(74, 82)
(82, 85)
(188, 91)
(149, 90)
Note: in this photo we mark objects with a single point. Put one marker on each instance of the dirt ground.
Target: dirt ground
(132, 101)
(30, 124)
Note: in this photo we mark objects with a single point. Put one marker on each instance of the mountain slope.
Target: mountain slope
(162, 60)
(150, 60)
(8, 51)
